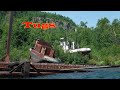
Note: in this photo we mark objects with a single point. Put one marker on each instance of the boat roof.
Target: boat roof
(44, 43)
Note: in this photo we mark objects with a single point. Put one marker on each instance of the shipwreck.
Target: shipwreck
(43, 52)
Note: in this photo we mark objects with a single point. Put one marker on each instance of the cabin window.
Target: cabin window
(38, 47)
(47, 51)
(51, 53)
(43, 50)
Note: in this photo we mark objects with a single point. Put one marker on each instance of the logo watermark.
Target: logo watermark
(43, 26)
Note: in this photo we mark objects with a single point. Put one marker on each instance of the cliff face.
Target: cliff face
(66, 25)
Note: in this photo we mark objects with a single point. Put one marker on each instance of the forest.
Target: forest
(104, 39)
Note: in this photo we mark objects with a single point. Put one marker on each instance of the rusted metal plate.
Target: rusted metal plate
(3, 65)
(43, 43)
(51, 66)
(39, 69)
(54, 66)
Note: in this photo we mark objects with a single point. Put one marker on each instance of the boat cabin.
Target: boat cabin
(44, 48)
(42, 51)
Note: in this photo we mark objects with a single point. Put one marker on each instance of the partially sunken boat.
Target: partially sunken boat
(70, 47)
(43, 52)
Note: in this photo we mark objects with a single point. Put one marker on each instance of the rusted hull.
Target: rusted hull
(3, 65)
(50, 66)
(53, 66)
(40, 69)
(35, 56)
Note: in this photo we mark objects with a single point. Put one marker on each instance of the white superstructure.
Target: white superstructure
(71, 48)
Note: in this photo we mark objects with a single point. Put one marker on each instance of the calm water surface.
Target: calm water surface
(103, 73)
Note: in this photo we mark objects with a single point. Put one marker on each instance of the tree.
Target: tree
(1, 33)
(103, 23)
(83, 24)
(116, 31)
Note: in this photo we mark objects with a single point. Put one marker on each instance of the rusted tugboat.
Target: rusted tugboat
(43, 52)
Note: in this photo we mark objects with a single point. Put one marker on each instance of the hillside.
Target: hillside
(104, 39)
(23, 39)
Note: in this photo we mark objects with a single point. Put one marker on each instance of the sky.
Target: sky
(89, 16)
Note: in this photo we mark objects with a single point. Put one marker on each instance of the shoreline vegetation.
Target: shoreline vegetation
(104, 39)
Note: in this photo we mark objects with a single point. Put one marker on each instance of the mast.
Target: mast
(7, 59)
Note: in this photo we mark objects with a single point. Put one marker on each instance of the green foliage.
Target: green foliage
(1, 33)
(104, 39)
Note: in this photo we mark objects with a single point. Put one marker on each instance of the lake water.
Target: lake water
(103, 73)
